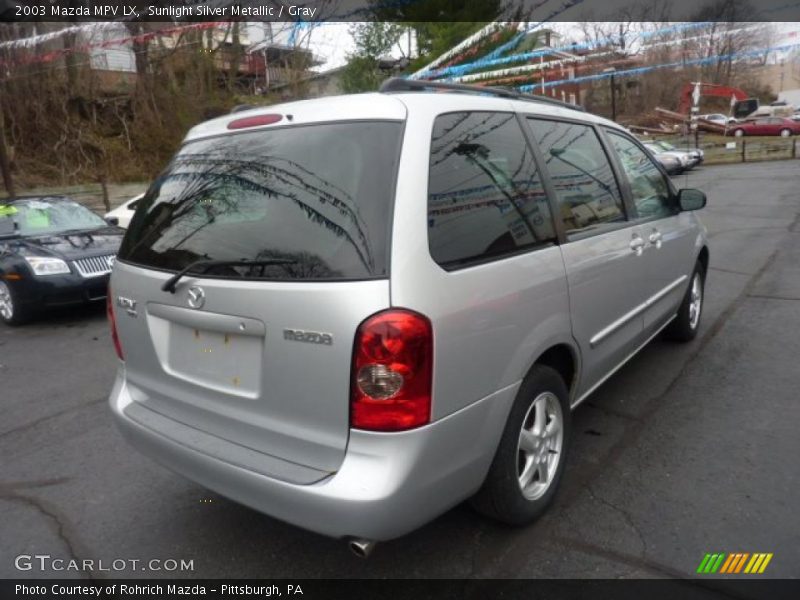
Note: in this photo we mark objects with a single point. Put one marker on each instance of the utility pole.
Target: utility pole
(613, 99)
(696, 93)
(612, 71)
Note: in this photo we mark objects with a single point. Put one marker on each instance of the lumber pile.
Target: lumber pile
(670, 115)
(679, 118)
(710, 126)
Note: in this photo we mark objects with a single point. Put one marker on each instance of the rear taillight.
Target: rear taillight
(392, 372)
(112, 322)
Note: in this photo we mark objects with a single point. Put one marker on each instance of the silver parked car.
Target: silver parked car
(663, 153)
(673, 165)
(354, 313)
(696, 155)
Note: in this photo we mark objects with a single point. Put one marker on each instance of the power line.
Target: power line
(676, 64)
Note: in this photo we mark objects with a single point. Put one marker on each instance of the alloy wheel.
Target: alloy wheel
(695, 301)
(6, 302)
(540, 446)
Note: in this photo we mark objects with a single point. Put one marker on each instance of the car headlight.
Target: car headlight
(46, 265)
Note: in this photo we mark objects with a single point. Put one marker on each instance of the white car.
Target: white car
(717, 118)
(124, 212)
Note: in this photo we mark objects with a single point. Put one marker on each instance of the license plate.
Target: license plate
(225, 361)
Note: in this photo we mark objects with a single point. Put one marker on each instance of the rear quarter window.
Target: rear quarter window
(319, 196)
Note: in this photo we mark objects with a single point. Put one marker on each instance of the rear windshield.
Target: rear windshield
(315, 198)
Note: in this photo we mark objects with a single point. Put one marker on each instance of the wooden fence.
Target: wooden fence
(723, 150)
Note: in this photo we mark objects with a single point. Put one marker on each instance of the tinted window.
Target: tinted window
(650, 190)
(318, 196)
(587, 192)
(485, 198)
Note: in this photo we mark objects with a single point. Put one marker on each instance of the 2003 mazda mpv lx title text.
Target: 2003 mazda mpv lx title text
(353, 313)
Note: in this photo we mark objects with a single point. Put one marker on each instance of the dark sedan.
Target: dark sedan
(53, 252)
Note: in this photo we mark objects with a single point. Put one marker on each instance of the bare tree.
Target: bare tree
(5, 165)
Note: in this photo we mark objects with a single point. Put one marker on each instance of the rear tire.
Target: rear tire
(685, 325)
(738, 132)
(786, 133)
(11, 311)
(527, 467)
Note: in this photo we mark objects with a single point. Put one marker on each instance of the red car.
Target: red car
(765, 126)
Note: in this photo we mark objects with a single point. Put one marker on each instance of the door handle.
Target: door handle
(655, 238)
(637, 244)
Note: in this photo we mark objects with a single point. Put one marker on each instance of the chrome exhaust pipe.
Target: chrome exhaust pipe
(361, 548)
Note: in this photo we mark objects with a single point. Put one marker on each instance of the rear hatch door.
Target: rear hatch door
(259, 355)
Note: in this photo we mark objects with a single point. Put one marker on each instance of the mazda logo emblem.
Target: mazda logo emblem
(196, 297)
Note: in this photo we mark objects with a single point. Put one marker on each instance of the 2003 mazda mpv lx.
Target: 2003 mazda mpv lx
(353, 313)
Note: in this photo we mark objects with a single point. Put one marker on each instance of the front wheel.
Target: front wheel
(739, 132)
(685, 325)
(11, 311)
(786, 132)
(530, 458)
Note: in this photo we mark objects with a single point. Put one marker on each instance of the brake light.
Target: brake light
(112, 322)
(246, 122)
(392, 372)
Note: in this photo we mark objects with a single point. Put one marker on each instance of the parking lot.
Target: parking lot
(688, 449)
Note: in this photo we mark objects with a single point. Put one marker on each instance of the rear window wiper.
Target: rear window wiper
(205, 265)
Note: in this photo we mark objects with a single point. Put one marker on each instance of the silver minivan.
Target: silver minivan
(354, 313)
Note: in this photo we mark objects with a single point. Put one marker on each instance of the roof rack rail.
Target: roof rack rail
(243, 107)
(398, 84)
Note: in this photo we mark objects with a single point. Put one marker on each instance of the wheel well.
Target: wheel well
(560, 358)
(703, 258)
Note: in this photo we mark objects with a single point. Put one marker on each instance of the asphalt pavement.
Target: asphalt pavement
(687, 450)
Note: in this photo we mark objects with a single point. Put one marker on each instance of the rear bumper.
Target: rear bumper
(388, 484)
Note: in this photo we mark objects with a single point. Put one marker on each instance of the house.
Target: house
(258, 55)
(275, 58)
(315, 85)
